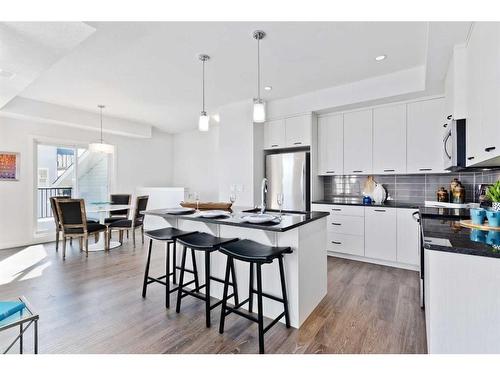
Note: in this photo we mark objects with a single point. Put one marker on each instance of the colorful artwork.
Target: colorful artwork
(9, 166)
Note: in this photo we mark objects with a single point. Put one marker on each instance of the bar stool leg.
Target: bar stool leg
(146, 272)
(174, 256)
(167, 273)
(283, 291)
(260, 312)
(250, 289)
(224, 296)
(207, 288)
(195, 270)
(235, 285)
(181, 280)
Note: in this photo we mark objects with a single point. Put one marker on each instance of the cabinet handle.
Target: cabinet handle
(337, 243)
(445, 125)
(336, 224)
(470, 157)
(380, 210)
(297, 143)
(330, 171)
(274, 145)
(357, 171)
(336, 209)
(449, 117)
(488, 149)
(425, 169)
(389, 170)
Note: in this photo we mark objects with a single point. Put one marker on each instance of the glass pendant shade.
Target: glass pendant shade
(104, 148)
(203, 123)
(259, 111)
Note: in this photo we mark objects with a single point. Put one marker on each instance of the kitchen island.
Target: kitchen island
(305, 268)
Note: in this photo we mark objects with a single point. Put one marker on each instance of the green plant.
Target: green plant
(493, 192)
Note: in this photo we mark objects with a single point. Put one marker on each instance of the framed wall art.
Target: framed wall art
(9, 166)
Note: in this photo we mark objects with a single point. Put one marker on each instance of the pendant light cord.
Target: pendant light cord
(203, 86)
(258, 69)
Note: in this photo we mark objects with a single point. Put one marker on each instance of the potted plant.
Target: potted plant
(493, 194)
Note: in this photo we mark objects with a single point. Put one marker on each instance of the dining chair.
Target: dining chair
(136, 222)
(119, 199)
(74, 224)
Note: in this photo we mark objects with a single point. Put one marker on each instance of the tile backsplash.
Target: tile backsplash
(410, 188)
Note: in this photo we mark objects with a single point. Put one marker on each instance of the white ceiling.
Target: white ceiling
(149, 72)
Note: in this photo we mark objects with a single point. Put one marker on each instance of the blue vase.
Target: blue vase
(477, 235)
(493, 218)
(493, 238)
(477, 215)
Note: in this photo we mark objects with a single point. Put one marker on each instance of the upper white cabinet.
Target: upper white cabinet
(290, 132)
(331, 145)
(425, 131)
(455, 85)
(389, 139)
(298, 131)
(274, 134)
(483, 95)
(358, 133)
(408, 237)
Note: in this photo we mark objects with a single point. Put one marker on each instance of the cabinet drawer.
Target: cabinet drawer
(346, 224)
(346, 210)
(345, 243)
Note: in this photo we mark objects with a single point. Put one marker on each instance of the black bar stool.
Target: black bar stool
(168, 235)
(207, 243)
(254, 253)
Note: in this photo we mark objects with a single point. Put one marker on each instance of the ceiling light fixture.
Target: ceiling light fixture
(104, 148)
(259, 106)
(268, 88)
(380, 57)
(204, 122)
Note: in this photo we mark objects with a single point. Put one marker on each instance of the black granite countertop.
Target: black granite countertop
(287, 221)
(359, 202)
(444, 213)
(450, 236)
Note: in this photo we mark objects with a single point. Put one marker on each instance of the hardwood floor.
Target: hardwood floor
(94, 305)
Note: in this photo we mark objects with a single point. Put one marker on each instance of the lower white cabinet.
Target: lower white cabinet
(380, 233)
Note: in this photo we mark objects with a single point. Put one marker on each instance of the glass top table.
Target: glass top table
(22, 319)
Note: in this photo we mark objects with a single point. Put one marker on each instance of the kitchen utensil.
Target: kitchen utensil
(369, 187)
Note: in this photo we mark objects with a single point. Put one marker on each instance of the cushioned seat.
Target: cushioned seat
(124, 223)
(166, 234)
(203, 241)
(91, 228)
(110, 220)
(251, 251)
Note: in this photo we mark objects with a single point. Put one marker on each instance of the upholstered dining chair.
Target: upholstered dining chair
(74, 224)
(136, 222)
(119, 199)
(57, 221)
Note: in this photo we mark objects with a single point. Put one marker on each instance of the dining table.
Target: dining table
(103, 209)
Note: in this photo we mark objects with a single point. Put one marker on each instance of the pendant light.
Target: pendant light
(259, 106)
(203, 123)
(100, 146)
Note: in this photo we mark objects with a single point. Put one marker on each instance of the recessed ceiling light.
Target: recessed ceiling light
(6, 74)
(268, 88)
(381, 57)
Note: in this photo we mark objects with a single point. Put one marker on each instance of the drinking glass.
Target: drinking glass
(197, 199)
(279, 200)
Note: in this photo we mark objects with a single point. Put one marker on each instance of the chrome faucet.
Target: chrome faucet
(263, 192)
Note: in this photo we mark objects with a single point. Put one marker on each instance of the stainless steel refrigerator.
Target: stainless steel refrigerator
(288, 173)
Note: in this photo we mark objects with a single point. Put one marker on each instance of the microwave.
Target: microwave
(454, 143)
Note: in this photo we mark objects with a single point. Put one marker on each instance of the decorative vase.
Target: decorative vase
(379, 194)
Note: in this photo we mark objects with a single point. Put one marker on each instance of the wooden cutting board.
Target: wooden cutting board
(226, 206)
(485, 226)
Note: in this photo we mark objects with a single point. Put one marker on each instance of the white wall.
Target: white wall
(196, 164)
(139, 162)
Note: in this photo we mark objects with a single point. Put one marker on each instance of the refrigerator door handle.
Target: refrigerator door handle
(303, 185)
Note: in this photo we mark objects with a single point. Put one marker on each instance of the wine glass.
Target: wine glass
(197, 199)
(279, 199)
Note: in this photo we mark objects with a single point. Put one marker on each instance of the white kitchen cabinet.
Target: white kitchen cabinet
(298, 131)
(455, 85)
(408, 237)
(389, 139)
(358, 142)
(425, 132)
(331, 145)
(381, 233)
(274, 134)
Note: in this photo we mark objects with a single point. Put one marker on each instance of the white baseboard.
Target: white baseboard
(36, 240)
(374, 261)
